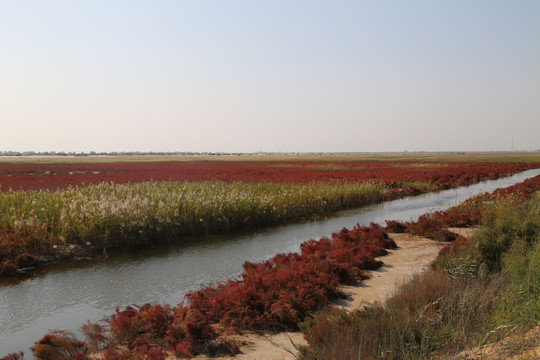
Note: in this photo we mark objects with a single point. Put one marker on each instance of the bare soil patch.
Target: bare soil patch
(465, 232)
(413, 255)
(523, 346)
(280, 346)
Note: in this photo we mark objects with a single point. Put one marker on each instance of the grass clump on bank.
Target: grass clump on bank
(478, 291)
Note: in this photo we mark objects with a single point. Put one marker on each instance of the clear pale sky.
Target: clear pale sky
(279, 75)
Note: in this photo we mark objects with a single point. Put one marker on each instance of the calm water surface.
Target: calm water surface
(66, 298)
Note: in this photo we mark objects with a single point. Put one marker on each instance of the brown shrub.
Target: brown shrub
(58, 345)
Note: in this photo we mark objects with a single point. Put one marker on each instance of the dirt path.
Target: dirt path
(280, 346)
(521, 346)
(413, 255)
(465, 232)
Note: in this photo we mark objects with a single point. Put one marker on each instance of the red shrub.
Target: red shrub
(95, 336)
(458, 244)
(189, 331)
(155, 354)
(525, 188)
(434, 225)
(183, 349)
(148, 329)
(19, 245)
(8, 268)
(372, 234)
(14, 356)
(149, 322)
(442, 175)
(395, 226)
(444, 235)
(278, 293)
(426, 225)
(24, 260)
(467, 214)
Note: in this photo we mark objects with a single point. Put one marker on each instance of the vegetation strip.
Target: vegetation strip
(273, 295)
(477, 291)
(45, 226)
(280, 293)
(41, 226)
(437, 175)
(255, 301)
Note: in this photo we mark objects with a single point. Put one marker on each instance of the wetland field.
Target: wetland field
(59, 213)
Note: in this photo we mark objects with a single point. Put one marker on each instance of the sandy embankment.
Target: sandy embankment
(412, 256)
(520, 346)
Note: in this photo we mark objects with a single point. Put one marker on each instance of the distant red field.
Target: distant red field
(440, 174)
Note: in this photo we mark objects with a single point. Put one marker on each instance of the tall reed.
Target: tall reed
(109, 215)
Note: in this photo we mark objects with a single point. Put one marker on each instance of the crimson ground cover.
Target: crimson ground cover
(275, 294)
(440, 174)
(38, 227)
(150, 331)
(469, 213)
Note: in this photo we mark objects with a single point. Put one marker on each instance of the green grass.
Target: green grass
(475, 294)
(423, 186)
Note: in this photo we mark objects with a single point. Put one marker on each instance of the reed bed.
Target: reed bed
(104, 216)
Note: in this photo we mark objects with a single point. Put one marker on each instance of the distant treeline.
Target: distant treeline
(94, 153)
(193, 153)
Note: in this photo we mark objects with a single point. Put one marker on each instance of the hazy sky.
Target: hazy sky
(281, 75)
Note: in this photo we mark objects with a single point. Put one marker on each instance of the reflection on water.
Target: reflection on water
(66, 297)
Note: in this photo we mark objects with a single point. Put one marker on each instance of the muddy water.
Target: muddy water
(65, 298)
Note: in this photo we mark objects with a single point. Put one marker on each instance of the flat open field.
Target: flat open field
(51, 212)
(424, 156)
(284, 292)
(440, 174)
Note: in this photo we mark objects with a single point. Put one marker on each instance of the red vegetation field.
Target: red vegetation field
(278, 293)
(440, 174)
(469, 213)
(275, 295)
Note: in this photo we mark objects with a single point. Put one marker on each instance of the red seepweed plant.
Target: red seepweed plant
(14, 356)
(467, 214)
(47, 231)
(394, 173)
(272, 295)
(280, 292)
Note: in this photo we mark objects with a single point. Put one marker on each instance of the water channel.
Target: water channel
(65, 298)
